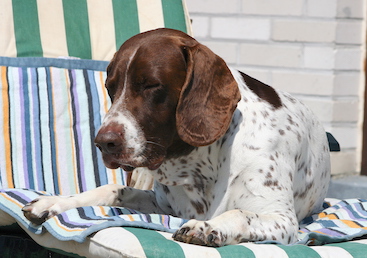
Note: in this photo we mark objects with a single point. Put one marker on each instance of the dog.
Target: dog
(239, 159)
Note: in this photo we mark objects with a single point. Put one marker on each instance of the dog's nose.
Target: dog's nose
(109, 142)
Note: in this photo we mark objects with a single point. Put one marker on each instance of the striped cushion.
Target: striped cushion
(115, 232)
(50, 110)
(118, 232)
(88, 29)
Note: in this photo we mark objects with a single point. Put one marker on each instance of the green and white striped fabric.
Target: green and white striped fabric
(87, 29)
(149, 243)
(100, 231)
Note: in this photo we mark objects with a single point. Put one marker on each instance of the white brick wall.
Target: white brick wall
(313, 49)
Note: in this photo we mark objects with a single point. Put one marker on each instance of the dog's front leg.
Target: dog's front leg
(236, 226)
(45, 207)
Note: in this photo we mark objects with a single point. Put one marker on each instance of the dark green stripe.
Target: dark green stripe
(174, 15)
(77, 28)
(26, 28)
(125, 13)
(355, 249)
(233, 251)
(156, 245)
(299, 251)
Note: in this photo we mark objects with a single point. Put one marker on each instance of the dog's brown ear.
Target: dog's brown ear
(208, 97)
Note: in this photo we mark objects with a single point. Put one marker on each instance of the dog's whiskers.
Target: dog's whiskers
(155, 143)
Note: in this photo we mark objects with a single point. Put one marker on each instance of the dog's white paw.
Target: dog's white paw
(44, 207)
(200, 233)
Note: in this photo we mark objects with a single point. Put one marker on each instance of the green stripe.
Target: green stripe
(174, 15)
(355, 249)
(299, 251)
(234, 251)
(77, 28)
(125, 13)
(26, 28)
(156, 245)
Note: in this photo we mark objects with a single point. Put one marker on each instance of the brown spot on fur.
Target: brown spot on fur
(263, 91)
(199, 207)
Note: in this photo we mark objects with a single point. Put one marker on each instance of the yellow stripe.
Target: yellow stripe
(332, 216)
(351, 223)
(20, 205)
(319, 232)
(55, 133)
(63, 227)
(114, 177)
(131, 217)
(322, 215)
(102, 210)
(104, 92)
(6, 128)
(329, 216)
(72, 134)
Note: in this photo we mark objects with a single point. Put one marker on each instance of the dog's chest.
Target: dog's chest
(191, 184)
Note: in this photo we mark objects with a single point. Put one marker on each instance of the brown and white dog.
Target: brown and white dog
(243, 161)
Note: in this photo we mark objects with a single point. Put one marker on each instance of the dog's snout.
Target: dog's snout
(109, 142)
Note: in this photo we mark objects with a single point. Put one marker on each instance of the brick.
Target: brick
(350, 8)
(349, 59)
(324, 8)
(349, 32)
(333, 110)
(213, 6)
(346, 110)
(270, 55)
(347, 84)
(347, 136)
(304, 83)
(323, 108)
(319, 57)
(303, 31)
(279, 7)
(200, 26)
(240, 28)
(343, 162)
(226, 50)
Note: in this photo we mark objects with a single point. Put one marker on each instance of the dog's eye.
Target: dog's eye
(152, 86)
(156, 92)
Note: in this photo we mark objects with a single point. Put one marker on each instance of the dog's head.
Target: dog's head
(169, 95)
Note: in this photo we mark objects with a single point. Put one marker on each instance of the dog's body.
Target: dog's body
(243, 161)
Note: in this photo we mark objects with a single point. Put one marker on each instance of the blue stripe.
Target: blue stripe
(76, 122)
(94, 109)
(55, 62)
(37, 145)
(26, 128)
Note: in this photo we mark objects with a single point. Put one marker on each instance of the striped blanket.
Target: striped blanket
(342, 221)
(50, 111)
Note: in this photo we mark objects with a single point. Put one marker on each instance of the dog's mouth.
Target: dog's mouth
(116, 161)
(127, 168)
